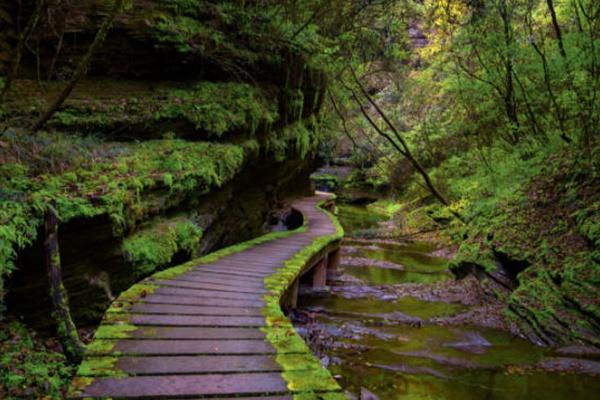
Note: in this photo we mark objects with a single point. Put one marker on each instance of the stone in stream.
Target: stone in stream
(365, 394)
(446, 361)
(407, 369)
(369, 262)
(472, 342)
(563, 364)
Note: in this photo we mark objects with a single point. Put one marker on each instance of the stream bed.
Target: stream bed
(393, 326)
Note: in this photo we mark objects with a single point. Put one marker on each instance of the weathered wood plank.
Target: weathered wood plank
(177, 309)
(223, 271)
(183, 347)
(195, 320)
(208, 286)
(185, 333)
(222, 281)
(162, 365)
(213, 294)
(203, 301)
(187, 385)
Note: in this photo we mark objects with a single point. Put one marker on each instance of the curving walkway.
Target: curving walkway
(204, 329)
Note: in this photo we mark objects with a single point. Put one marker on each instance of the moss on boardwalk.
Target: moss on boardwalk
(306, 378)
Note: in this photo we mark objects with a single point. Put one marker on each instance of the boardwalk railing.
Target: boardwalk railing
(214, 328)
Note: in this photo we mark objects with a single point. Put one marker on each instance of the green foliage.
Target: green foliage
(210, 108)
(110, 182)
(219, 107)
(29, 370)
(293, 140)
(154, 246)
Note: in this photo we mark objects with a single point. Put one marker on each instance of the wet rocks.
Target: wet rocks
(369, 262)
(472, 342)
(573, 365)
(365, 394)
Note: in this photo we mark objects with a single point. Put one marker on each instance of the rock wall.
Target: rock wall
(168, 74)
(95, 266)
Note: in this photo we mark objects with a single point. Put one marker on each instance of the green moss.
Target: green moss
(294, 139)
(101, 347)
(280, 332)
(100, 366)
(29, 370)
(122, 331)
(135, 293)
(318, 380)
(385, 207)
(203, 110)
(154, 245)
(109, 183)
(79, 384)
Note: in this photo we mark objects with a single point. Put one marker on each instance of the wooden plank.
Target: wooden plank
(213, 294)
(222, 281)
(201, 301)
(195, 320)
(224, 271)
(187, 385)
(208, 286)
(225, 266)
(253, 261)
(184, 333)
(185, 347)
(162, 365)
(177, 309)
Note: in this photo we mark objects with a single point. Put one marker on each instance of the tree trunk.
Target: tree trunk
(402, 148)
(561, 46)
(67, 332)
(81, 68)
(510, 101)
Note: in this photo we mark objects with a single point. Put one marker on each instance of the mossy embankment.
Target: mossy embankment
(530, 233)
(194, 122)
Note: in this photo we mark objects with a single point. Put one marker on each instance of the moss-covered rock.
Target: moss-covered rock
(155, 245)
(544, 238)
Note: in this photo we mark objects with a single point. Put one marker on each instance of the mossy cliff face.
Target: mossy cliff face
(97, 264)
(189, 128)
(538, 252)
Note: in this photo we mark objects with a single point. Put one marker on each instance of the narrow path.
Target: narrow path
(202, 333)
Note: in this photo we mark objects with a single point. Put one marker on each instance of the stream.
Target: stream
(387, 328)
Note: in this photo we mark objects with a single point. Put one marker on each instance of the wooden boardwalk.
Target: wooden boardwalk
(204, 332)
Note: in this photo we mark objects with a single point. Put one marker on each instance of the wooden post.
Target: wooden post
(66, 330)
(333, 263)
(291, 297)
(320, 274)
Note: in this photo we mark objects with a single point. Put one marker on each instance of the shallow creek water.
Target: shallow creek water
(380, 343)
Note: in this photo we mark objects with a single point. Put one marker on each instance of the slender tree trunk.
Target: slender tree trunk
(67, 332)
(557, 31)
(18, 54)
(402, 148)
(81, 68)
(509, 93)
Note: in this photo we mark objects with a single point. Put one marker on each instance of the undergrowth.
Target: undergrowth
(29, 369)
(113, 181)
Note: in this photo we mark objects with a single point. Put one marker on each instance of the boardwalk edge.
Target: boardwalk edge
(306, 377)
